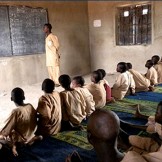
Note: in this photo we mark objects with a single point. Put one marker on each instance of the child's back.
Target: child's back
(141, 82)
(90, 104)
(99, 94)
(73, 106)
(158, 68)
(21, 124)
(97, 89)
(49, 109)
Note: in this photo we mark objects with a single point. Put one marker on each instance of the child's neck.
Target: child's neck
(69, 89)
(78, 86)
(108, 153)
(19, 103)
(46, 93)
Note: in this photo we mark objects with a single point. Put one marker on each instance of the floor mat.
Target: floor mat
(76, 138)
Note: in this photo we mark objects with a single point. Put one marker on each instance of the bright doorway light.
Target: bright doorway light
(126, 13)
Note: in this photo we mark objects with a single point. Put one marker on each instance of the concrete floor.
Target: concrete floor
(32, 94)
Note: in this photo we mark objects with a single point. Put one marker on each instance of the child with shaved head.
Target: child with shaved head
(97, 89)
(151, 73)
(102, 132)
(103, 81)
(22, 122)
(123, 83)
(73, 105)
(158, 67)
(49, 109)
(78, 84)
(103, 129)
(141, 82)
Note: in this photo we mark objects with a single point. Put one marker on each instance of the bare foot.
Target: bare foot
(14, 151)
(138, 112)
(68, 159)
(151, 88)
(2, 137)
(35, 138)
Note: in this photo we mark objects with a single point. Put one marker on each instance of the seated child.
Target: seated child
(73, 105)
(97, 89)
(107, 87)
(151, 73)
(22, 122)
(122, 83)
(153, 127)
(158, 67)
(49, 110)
(102, 132)
(102, 71)
(77, 84)
(132, 87)
(141, 82)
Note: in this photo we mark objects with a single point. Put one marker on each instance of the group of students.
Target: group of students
(66, 110)
(56, 111)
(130, 81)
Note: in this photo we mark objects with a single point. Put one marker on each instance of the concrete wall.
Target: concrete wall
(104, 52)
(84, 48)
(70, 23)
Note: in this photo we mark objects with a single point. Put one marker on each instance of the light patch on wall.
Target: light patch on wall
(97, 23)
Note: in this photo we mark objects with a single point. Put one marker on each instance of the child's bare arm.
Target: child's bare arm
(14, 151)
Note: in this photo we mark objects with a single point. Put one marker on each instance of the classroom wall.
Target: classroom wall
(84, 47)
(70, 24)
(104, 53)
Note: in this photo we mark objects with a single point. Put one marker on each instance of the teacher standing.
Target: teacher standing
(52, 55)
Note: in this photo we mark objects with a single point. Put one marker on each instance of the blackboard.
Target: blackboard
(5, 41)
(27, 29)
(21, 30)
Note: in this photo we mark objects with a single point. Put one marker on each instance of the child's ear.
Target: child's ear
(11, 99)
(24, 98)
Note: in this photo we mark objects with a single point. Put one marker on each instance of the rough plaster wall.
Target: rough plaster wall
(104, 53)
(70, 24)
(17, 71)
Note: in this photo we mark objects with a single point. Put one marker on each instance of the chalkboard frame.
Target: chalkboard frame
(5, 36)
